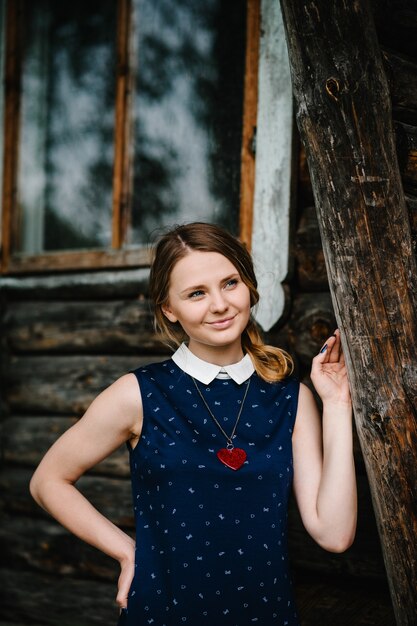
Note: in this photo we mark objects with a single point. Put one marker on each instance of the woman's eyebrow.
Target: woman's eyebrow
(192, 288)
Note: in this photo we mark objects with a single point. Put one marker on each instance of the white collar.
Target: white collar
(206, 372)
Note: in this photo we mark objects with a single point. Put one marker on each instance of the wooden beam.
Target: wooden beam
(122, 152)
(345, 121)
(73, 260)
(250, 112)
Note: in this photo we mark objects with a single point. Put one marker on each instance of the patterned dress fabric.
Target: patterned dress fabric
(211, 542)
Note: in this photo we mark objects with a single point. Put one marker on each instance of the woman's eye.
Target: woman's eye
(196, 294)
(232, 282)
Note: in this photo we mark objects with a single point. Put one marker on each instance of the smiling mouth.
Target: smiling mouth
(223, 322)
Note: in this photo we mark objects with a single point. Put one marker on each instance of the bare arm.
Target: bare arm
(114, 417)
(324, 473)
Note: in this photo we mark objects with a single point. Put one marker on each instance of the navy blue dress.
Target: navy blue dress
(211, 542)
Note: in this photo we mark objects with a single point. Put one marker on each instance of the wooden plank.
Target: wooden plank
(62, 384)
(273, 169)
(80, 259)
(81, 327)
(111, 496)
(53, 601)
(250, 109)
(344, 117)
(25, 440)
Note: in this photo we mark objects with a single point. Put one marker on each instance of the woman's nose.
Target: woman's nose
(218, 303)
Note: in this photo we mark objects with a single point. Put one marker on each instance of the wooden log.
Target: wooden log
(45, 546)
(312, 322)
(402, 80)
(407, 155)
(344, 117)
(120, 284)
(62, 384)
(311, 267)
(54, 601)
(26, 439)
(97, 327)
(111, 496)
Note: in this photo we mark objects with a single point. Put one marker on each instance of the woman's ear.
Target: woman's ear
(168, 313)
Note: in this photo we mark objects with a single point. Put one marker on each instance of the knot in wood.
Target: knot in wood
(333, 88)
(379, 422)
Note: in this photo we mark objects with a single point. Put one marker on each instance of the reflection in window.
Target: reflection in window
(67, 125)
(187, 113)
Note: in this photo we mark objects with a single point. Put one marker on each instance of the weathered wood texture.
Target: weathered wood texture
(344, 117)
(75, 602)
(77, 327)
(63, 384)
(24, 441)
(402, 80)
(112, 496)
(77, 286)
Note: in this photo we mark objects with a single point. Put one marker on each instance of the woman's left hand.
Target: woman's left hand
(329, 374)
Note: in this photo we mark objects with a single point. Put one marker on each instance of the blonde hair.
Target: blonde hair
(271, 364)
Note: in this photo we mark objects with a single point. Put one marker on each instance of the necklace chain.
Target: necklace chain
(232, 434)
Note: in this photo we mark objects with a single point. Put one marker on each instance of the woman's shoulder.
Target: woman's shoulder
(165, 365)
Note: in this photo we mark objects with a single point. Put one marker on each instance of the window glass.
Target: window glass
(67, 125)
(188, 107)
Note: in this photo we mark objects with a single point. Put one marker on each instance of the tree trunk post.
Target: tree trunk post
(344, 117)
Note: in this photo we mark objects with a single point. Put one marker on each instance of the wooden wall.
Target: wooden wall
(65, 337)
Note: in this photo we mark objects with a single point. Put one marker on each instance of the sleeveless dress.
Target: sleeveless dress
(211, 542)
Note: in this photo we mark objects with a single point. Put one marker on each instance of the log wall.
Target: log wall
(65, 337)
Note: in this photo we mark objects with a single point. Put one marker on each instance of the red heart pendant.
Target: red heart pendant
(233, 458)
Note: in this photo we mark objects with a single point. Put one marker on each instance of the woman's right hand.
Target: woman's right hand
(127, 571)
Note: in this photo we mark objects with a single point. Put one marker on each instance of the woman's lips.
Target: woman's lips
(224, 323)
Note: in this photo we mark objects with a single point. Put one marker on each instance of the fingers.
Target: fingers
(125, 581)
(331, 352)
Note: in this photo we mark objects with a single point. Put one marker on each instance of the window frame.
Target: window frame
(12, 262)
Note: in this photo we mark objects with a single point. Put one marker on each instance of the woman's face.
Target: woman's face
(212, 304)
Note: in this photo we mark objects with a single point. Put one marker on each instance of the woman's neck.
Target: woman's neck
(218, 355)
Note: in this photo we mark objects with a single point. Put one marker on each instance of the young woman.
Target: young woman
(217, 436)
